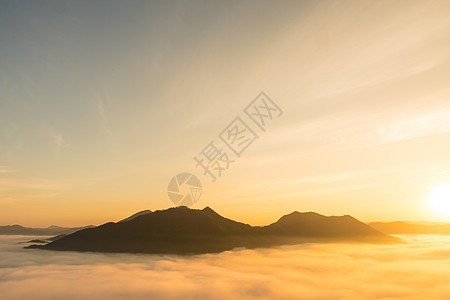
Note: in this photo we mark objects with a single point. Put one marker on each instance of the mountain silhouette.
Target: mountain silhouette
(51, 230)
(312, 224)
(182, 230)
(143, 212)
(399, 227)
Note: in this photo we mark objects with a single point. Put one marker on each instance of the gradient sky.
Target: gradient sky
(102, 102)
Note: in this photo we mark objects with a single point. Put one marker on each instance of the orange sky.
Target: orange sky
(101, 106)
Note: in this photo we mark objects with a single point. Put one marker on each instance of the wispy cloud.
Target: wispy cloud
(4, 200)
(18, 188)
(4, 170)
(104, 103)
(59, 141)
(360, 128)
(416, 126)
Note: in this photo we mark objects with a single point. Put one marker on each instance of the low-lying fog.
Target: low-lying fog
(418, 269)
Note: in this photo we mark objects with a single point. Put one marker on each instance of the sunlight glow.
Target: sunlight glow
(439, 199)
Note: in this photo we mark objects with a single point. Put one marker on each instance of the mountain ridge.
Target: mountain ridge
(51, 230)
(402, 227)
(140, 213)
(181, 230)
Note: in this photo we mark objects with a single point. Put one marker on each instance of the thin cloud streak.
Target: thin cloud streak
(103, 106)
(59, 142)
(5, 170)
(14, 189)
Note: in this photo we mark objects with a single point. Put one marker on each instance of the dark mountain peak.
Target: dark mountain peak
(303, 213)
(310, 215)
(186, 212)
(208, 210)
(178, 210)
(175, 210)
(296, 215)
(54, 227)
(316, 225)
(140, 213)
(14, 226)
(348, 217)
(183, 207)
(185, 230)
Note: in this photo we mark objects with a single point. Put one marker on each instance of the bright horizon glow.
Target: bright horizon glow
(439, 199)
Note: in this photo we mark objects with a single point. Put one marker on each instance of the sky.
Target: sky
(103, 102)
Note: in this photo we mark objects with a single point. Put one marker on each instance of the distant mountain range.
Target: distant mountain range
(182, 230)
(52, 230)
(400, 227)
(56, 231)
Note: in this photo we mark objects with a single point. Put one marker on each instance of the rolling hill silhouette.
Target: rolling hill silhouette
(51, 230)
(141, 213)
(400, 227)
(312, 224)
(189, 231)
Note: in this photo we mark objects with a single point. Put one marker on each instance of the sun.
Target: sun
(439, 199)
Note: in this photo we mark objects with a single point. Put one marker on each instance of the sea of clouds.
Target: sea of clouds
(417, 269)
